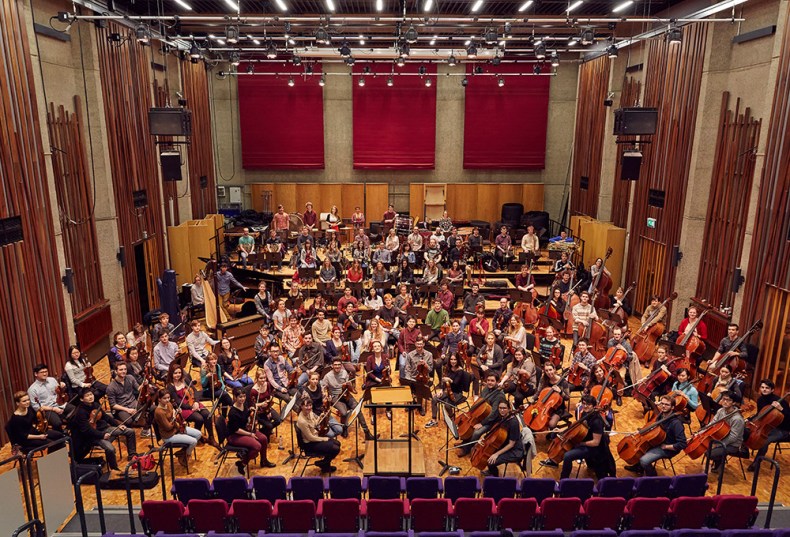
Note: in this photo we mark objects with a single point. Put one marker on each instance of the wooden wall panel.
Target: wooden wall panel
(589, 136)
(621, 191)
(351, 195)
(774, 359)
(463, 200)
(482, 201)
(33, 324)
(377, 198)
(416, 199)
(674, 74)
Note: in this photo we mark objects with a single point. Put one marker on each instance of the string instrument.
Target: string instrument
(349, 323)
(576, 374)
(654, 380)
(88, 370)
(345, 353)
(602, 284)
(571, 437)
(95, 416)
(235, 365)
(444, 330)
(386, 376)
(703, 414)
(700, 441)
(147, 393)
(526, 310)
(519, 376)
(42, 424)
(762, 423)
(614, 359)
(490, 443)
(547, 312)
(694, 345)
(326, 413)
(448, 390)
(618, 309)
(467, 420)
(423, 375)
(293, 376)
(349, 387)
(645, 341)
(537, 415)
(603, 394)
(386, 325)
(251, 424)
(463, 355)
(179, 421)
(632, 447)
(62, 395)
(730, 357)
(571, 299)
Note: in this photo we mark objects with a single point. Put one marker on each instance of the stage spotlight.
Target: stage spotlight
(540, 51)
(297, 60)
(291, 82)
(401, 61)
(428, 82)
(490, 36)
(555, 59)
(321, 36)
(234, 59)
(345, 50)
(501, 82)
(361, 81)
(471, 51)
(451, 61)
(675, 35)
(250, 69)
(464, 81)
(142, 33)
(611, 51)
(271, 51)
(536, 69)
(588, 36)
(390, 82)
(322, 81)
(232, 34)
(411, 35)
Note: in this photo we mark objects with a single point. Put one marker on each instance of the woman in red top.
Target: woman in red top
(688, 322)
(191, 410)
(354, 273)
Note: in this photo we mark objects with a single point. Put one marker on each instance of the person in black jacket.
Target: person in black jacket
(782, 432)
(594, 449)
(100, 431)
(672, 445)
(494, 396)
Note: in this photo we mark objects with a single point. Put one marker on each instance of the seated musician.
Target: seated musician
(433, 252)
(491, 357)
(619, 300)
(436, 318)
(445, 223)
(415, 239)
(43, 396)
(246, 246)
(633, 369)
(564, 283)
(213, 382)
(454, 242)
(225, 359)
(455, 274)
(134, 368)
(547, 346)
(409, 372)
(197, 340)
(530, 243)
(319, 305)
(726, 347)
(478, 327)
(598, 378)
(596, 269)
(281, 316)
(503, 245)
(445, 296)
(562, 237)
(339, 384)
(583, 314)
(261, 394)
(275, 246)
(683, 385)
(164, 325)
(516, 337)
(382, 254)
(165, 418)
(453, 375)
(307, 257)
(472, 301)
(347, 299)
(255, 442)
(321, 329)
(431, 275)
(438, 236)
(475, 241)
(583, 359)
(262, 343)
(725, 382)
(122, 394)
(307, 423)
(563, 264)
(310, 357)
(404, 298)
(673, 444)
(511, 380)
(295, 297)
(76, 363)
(361, 236)
(405, 274)
(292, 336)
(361, 255)
(390, 315)
(594, 449)
(138, 334)
(730, 402)
(277, 371)
(407, 342)
(513, 450)
(551, 379)
(91, 426)
(318, 394)
(686, 324)
(328, 273)
(335, 347)
(178, 384)
(334, 254)
(375, 365)
(117, 352)
(502, 316)
(21, 426)
(392, 244)
(372, 300)
(406, 259)
(494, 396)
(303, 237)
(780, 433)
(164, 353)
(525, 281)
(374, 332)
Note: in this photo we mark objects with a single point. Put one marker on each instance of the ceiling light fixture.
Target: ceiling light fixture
(271, 50)
(575, 5)
(183, 4)
(281, 5)
(142, 33)
(235, 60)
(536, 69)
(490, 36)
(464, 81)
(622, 6)
(477, 5)
(428, 82)
(345, 50)
(297, 60)
(287, 30)
(588, 36)
(451, 61)
(330, 5)
(250, 69)
(361, 82)
(322, 81)
(350, 60)
(379, 5)
(675, 35)
(411, 35)
(361, 39)
(232, 34)
(194, 51)
(555, 59)
(233, 5)
(427, 5)
(471, 51)
(291, 82)
(405, 49)
(321, 36)
(525, 6)
(401, 61)
(611, 51)
(540, 51)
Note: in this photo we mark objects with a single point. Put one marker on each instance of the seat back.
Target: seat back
(306, 488)
(252, 515)
(559, 513)
(594, 533)
(207, 515)
(575, 488)
(652, 487)
(429, 514)
(748, 533)
(341, 487)
(499, 487)
(538, 488)
(603, 513)
(544, 533)
(474, 514)
(162, 515)
(702, 532)
(221, 427)
(385, 515)
(191, 488)
(461, 487)
(269, 487)
(384, 487)
(645, 533)
(734, 512)
(615, 487)
(688, 485)
(388, 533)
(690, 512)
(339, 514)
(295, 516)
(517, 514)
(423, 487)
(230, 488)
(646, 513)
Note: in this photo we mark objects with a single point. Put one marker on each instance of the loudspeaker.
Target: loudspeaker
(68, 280)
(677, 255)
(121, 256)
(11, 230)
(171, 165)
(203, 181)
(584, 182)
(737, 280)
(170, 121)
(655, 198)
(635, 121)
(630, 166)
(140, 199)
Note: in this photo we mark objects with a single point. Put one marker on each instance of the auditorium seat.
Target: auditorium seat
(251, 515)
(386, 487)
(484, 534)
(385, 515)
(306, 488)
(688, 485)
(542, 533)
(207, 515)
(294, 515)
(341, 487)
(461, 487)
(408, 533)
(474, 514)
(652, 487)
(615, 487)
(497, 488)
(748, 533)
(594, 533)
(645, 513)
(581, 488)
(313, 533)
(602, 513)
(430, 514)
(162, 515)
(538, 488)
(559, 513)
(192, 488)
(269, 487)
(517, 514)
(423, 487)
(690, 512)
(702, 532)
(230, 488)
(338, 515)
(457, 533)
(645, 533)
(734, 512)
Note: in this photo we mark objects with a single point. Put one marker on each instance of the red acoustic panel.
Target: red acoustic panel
(282, 127)
(394, 127)
(505, 127)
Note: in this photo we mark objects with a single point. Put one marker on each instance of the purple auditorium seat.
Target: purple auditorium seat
(461, 487)
(575, 488)
(269, 487)
(499, 487)
(385, 487)
(342, 487)
(306, 488)
(652, 487)
(423, 487)
(230, 488)
(192, 488)
(688, 485)
(615, 487)
(538, 488)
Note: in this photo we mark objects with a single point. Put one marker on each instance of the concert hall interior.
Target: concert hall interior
(395, 267)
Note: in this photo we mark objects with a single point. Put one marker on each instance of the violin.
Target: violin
(423, 373)
(386, 325)
(41, 424)
(326, 412)
(467, 420)
(568, 439)
(537, 415)
(345, 354)
(147, 393)
(386, 377)
(463, 355)
(448, 390)
(235, 365)
(293, 377)
(189, 397)
(95, 416)
(700, 441)
(179, 421)
(632, 447)
(490, 443)
(645, 341)
(602, 284)
(762, 423)
(731, 357)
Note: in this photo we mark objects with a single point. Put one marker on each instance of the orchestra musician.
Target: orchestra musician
(361, 236)
(633, 369)
(583, 359)
(478, 326)
(280, 220)
(43, 396)
(117, 352)
(319, 305)
(274, 245)
(455, 274)
(197, 341)
(310, 217)
(321, 329)
(595, 269)
(445, 296)
(164, 353)
(138, 334)
(404, 298)
(530, 243)
(502, 317)
(317, 395)
(21, 427)
(348, 321)
(494, 396)
(165, 419)
(373, 301)
(307, 256)
(673, 444)
(551, 379)
(594, 449)
(226, 357)
(620, 300)
(686, 324)
(307, 424)
(503, 245)
(375, 366)
(334, 254)
(452, 339)
(263, 302)
(444, 223)
(726, 346)
(782, 432)
(164, 325)
(562, 237)
(292, 336)
(419, 356)
(133, 368)
(407, 258)
(564, 284)
(310, 357)
(358, 218)
(381, 253)
(598, 377)
(730, 401)
(122, 395)
(337, 382)
(392, 244)
(407, 341)
(388, 218)
(261, 395)
(724, 383)
(335, 347)
(436, 318)
(213, 382)
(224, 280)
(475, 241)
(563, 264)
(347, 299)
(91, 426)
(277, 371)
(415, 239)
(431, 275)
(361, 257)
(255, 442)
(246, 246)
(583, 314)
(75, 371)
(684, 386)
(433, 252)
(510, 383)
(548, 344)
(438, 237)
(491, 358)
(182, 390)
(513, 450)
(454, 243)
(456, 380)
(655, 305)
(328, 273)
(281, 316)
(334, 219)
(390, 314)
(516, 337)
(262, 343)
(525, 281)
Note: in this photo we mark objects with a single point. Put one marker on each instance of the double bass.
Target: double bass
(700, 441)
(645, 340)
(632, 447)
(731, 357)
(762, 423)
(602, 284)
(618, 310)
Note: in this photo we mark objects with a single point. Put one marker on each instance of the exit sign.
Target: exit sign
(651, 223)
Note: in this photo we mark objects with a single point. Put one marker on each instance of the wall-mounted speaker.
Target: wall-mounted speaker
(635, 121)
(737, 279)
(584, 182)
(68, 280)
(171, 165)
(11, 230)
(677, 255)
(121, 256)
(630, 166)
(203, 181)
(170, 122)
(655, 198)
(140, 199)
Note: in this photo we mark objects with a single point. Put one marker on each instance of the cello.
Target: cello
(694, 345)
(709, 373)
(700, 441)
(571, 437)
(762, 423)
(602, 284)
(645, 340)
(490, 443)
(466, 421)
(632, 447)
(536, 415)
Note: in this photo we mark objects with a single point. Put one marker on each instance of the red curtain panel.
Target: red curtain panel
(394, 126)
(505, 127)
(282, 127)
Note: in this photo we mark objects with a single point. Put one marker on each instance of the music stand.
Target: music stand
(306, 274)
(255, 259)
(272, 257)
(325, 287)
(675, 349)
(425, 331)
(557, 324)
(423, 393)
(293, 304)
(352, 419)
(286, 412)
(451, 430)
(518, 295)
(367, 314)
(389, 398)
(606, 315)
(356, 287)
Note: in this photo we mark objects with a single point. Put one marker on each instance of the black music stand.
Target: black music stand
(353, 419)
(517, 295)
(451, 430)
(294, 304)
(557, 324)
(606, 315)
(325, 288)
(255, 259)
(356, 288)
(270, 258)
(288, 408)
(306, 274)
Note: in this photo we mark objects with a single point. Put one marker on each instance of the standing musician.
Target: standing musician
(491, 358)
(167, 419)
(339, 385)
(547, 346)
(122, 394)
(730, 401)
(277, 371)
(503, 245)
(407, 341)
(91, 426)
(513, 450)
(183, 394)
(43, 396)
(563, 264)
(419, 356)
(495, 397)
(525, 281)
(213, 382)
(307, 423)
(358, 218)
(595, 269)
(530, 242)
(475, 242)
(673, 444)
(633, 369)
(437, 318)
(594, 449)
(75, 371)
(263, 341)
(686, 324)
(310, 358)
(511, 380)
(516, 337)
(280, 219)
(263, 302)
(117, 352)
(261, 394)
(274, 245)
(164, 353)
(472, 301)
(197, 341)
(583, 314)
(164, 325)
(388, 218)
(281, 316)
(320, 398)
(782, 432)
(321, 329)
(21, 427)
(583, 359)
(226, 357)
(310, 217)
(450, 346)
(551, 379)
(502, 316)
(292, 337)
(726, 346)
(242, 435)
(450, 390)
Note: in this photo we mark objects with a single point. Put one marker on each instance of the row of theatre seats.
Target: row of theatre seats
(707, 532)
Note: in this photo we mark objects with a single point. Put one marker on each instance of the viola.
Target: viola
(345, 353)
(490, 443)
(602, 284)
(537, 415)
(41, 424)
(466, 421)
(568, 439)
(386, 325)
(762, 423)
(448, 390)
(235, 365)
(189, 397)
(632, 447)
(179, 421)
(700, 441)
(147, 393)
(293, 377)
(645, 341)
(423, 375)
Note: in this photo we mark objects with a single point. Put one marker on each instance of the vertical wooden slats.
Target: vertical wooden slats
(169, 188)
(728, 204)
(589, 138)
(32, 319)
(126, 85)
(200, 152)
(674, 74)
(774, 356)
(621, 193)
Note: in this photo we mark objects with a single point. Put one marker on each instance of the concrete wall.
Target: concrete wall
(449, 140)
